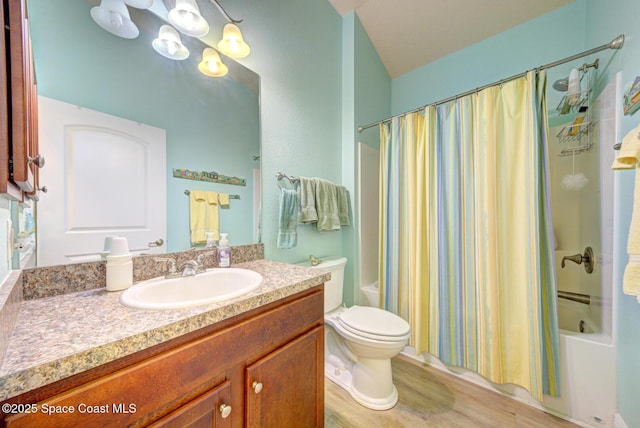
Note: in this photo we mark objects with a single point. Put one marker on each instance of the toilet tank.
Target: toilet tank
(333, 287)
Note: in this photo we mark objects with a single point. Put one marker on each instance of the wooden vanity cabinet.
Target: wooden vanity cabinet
(206, 378)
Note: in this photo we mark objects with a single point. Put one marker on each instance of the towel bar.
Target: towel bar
(280, 176)
(188, 192)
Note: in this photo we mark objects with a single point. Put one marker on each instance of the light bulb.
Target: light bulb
(185, 16)
(116, 19)
(168, 44)
(211, 65)
(113, 16)
(172, 47)
(233, 45)
(188, 19)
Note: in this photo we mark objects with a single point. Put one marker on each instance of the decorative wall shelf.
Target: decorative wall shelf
(212, 177)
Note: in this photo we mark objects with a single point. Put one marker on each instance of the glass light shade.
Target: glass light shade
(232, 43)
(113, 16)
(187, 19)
(168, 44)
(139, 4)
(211, 64)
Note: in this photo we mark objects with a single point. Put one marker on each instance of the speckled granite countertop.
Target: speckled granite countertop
(56, 337)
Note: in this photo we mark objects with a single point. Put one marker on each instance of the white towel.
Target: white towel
(629, 158)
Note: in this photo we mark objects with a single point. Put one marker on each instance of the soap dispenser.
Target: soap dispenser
(211, 240)
(224, 252)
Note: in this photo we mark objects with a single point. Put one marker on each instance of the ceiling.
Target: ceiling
(408, 34)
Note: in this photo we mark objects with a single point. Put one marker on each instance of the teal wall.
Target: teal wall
(366, 97)
(211, 124)
(296, 50)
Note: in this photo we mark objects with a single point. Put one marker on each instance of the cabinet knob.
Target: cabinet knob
(38, 160)
(225, 410)
(43, 189)
(257, 387)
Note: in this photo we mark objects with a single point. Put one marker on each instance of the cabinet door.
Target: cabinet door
(24, 129)
(6, 185)
(286, 387)
(210, 410)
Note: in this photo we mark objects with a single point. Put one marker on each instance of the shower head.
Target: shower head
(561, 85)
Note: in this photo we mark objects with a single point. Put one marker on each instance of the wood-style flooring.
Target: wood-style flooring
(429, 397)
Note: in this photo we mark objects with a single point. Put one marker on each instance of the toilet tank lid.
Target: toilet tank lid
(327, 262)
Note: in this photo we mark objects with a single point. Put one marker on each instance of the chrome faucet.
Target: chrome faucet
(189, 268)
(172, 270)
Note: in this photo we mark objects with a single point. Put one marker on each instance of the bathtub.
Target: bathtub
(588, 393)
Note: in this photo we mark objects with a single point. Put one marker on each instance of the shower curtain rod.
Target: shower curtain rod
(614, 44)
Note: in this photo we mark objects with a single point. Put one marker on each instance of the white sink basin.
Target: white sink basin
(214, 285)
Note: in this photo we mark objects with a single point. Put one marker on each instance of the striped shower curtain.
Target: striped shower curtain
(466, 236)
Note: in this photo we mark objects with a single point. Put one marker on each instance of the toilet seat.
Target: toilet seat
(373, 323)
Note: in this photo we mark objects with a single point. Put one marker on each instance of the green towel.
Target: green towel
(307, 195)
(343, 206)
(287, 234)
(327, 205)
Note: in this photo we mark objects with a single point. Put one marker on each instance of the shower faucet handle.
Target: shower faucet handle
(587, 259)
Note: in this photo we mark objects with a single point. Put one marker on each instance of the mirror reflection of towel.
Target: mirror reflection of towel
(197, 215)
(203, 215)
(288, 219)
(212, 218)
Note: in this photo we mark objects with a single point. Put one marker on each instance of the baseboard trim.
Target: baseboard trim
(618, 422)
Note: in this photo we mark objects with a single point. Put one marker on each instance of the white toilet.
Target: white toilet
(359, 343)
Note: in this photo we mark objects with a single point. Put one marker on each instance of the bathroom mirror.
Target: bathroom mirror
(211, 124)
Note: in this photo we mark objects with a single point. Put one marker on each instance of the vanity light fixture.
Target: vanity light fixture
(113, 16)
(168, 44)
(211, 64)
(187, 19)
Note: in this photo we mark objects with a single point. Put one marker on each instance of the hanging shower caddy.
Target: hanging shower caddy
(576, 134)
